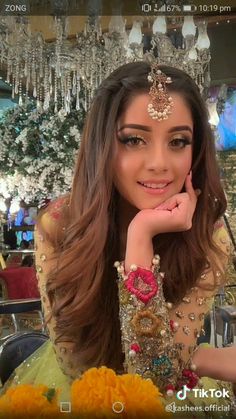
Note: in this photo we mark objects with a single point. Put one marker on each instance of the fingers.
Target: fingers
(189, 187)
(170, 204)
(177, 199)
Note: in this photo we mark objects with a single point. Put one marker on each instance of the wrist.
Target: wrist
(138, 232)
(139, 249)
(204, 359)
(141, 225)
(215, 363)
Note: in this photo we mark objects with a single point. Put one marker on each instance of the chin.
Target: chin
(146, 206)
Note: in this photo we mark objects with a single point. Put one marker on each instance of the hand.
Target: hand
(175, 214)
(216, 363)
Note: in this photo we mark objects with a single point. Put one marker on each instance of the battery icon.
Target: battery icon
(189, 8)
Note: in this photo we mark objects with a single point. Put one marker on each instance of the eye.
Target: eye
(180, 142)
(132, 140)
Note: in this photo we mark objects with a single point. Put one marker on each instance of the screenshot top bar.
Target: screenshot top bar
(111, 8)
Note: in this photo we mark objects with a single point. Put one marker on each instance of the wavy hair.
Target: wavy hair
(83, 288)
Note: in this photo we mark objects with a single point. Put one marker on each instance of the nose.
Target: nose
(157, 158)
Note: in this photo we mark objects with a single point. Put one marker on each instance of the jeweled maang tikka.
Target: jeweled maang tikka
(161, 103)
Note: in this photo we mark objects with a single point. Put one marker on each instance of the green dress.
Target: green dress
(55, 366)
(42, 368)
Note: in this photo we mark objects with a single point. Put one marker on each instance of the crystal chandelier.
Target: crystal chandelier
(193, 56)
(67, 70)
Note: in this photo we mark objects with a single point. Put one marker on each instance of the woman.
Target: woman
(146, 183)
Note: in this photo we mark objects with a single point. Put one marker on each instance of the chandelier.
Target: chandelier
(67, 70)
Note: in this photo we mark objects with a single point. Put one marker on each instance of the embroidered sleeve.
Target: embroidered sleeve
(189, 315)
(158, 339)
(45, 263)
(187, 319)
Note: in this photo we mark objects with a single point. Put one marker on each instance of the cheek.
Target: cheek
(120, 171)
(184, 166)
(124, 165)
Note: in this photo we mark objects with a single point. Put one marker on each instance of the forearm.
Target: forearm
(139, 250)
(217, 363)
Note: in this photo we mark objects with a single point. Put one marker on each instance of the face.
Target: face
(152, 158)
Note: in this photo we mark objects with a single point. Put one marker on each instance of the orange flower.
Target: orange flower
(95, 393)
(29, 401)
(142, 397)
(100, 392)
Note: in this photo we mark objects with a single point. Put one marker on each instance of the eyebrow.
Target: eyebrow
(181, 128)
(136, 126)
(147, 128)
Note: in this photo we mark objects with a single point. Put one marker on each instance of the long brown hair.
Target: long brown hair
(83, 288)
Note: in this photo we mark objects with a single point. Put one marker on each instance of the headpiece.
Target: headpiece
(160, 106)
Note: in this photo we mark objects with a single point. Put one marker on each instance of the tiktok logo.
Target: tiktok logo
(182, 394)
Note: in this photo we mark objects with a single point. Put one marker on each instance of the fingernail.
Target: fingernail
(190, 174)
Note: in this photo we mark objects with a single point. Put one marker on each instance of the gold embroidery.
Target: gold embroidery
(43, 288)
(203, 332)
(196, 333)
(186, 330)
(146, 323)
(191, 316)
(39, 269)
(192, 349)
(200, 300)
(186, 300)
(179, 314)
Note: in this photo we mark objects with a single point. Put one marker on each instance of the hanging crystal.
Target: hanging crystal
(77, 91)
(55, 93)
(74, 84)
(55, 69)
(20, 92)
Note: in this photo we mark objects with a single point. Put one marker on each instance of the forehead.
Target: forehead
(136, 110)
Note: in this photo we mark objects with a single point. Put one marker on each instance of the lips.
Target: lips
(155, 185)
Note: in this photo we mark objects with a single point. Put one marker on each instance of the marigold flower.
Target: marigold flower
(99, 393)
(96, 392)
(30, 401)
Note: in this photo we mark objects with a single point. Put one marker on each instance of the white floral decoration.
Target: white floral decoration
(38, 152)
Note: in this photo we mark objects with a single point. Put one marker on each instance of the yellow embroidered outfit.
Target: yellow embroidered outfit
(54, 363)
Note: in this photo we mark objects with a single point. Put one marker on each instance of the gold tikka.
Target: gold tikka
(161, 103)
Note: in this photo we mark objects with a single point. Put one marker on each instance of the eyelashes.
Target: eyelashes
(135, 140)
(182, 142)
(131, 139)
